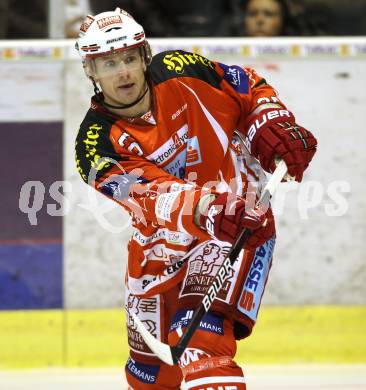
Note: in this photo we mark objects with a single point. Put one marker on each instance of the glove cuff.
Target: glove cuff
(200, 212)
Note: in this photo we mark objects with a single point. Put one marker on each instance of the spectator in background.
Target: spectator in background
(189, 18)
(266, 18)
(272, 18)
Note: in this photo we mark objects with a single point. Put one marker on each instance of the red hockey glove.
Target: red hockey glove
(274, 132)
(227, 216)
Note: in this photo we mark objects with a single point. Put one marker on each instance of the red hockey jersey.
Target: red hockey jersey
(159, 166)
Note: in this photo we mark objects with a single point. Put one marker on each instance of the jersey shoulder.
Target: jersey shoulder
(178, 63)
(94, 151)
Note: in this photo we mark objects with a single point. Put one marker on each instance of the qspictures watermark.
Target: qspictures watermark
(332, 199)
(32, 199)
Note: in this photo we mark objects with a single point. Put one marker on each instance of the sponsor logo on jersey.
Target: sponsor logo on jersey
(209, 323)
(129, 143)
(178, 141)
(167, 150)
(163, 234)
(168, 273)
(160, 253)
(86, 23)
(191, 355)
(178, 112)
(146, 373)
(166, 204)
(148, 311)
(119, 186)
(193, 152)
(255, 281)
(236, 77)
(108, 21)
(202, 271)
(91, 150)
(149, 117)
(177, 167)
(178, 61)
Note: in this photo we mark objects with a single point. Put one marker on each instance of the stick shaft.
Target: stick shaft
(224, 270)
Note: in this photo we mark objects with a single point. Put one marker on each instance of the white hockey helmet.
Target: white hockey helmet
(108, 33)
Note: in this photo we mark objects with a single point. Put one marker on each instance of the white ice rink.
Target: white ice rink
(310, 377)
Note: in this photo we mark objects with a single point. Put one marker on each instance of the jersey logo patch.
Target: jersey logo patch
(170, 147)
(209, 323)
(177, 167)
(179, 60)
(254, 284)
(193, 151)
(146, 373)
(119, 186)
(236, 77)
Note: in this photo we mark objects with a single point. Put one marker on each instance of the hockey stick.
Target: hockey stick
(171, 354)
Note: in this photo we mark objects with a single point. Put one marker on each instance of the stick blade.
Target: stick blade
(161, 350)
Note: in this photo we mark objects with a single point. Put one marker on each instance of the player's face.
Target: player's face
(263, 18)
(121, 76)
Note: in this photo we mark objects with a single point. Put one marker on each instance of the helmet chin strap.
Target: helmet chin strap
(122, 106)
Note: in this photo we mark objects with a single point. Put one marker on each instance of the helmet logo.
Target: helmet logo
(86, 23)
(138, 36)
(93, 47)
(123, 12)
(116, 39)
(109, 20)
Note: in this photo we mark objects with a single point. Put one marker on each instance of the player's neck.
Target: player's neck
(137, 110)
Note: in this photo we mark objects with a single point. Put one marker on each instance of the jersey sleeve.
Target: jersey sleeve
(249, 90)
(148, 193)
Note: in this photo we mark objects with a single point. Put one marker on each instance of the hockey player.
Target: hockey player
(182, 143)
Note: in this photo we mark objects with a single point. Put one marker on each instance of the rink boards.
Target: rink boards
(97, 338)
(74, 256)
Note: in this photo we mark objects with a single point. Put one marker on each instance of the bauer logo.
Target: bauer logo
(256, 279)
(146, 373)
(261, 121)
(117, 39)
(108, 21)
